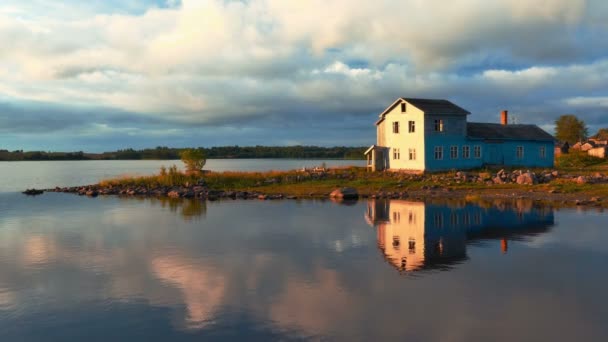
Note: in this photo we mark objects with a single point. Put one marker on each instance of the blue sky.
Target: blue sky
(107, 74)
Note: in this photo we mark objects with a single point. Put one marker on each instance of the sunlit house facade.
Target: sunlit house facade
(432, 135)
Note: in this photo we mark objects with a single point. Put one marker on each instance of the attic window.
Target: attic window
(403, 107)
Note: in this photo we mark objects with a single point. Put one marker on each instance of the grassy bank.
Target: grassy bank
(367, 183)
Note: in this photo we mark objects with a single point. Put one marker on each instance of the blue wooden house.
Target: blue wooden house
(433, 135)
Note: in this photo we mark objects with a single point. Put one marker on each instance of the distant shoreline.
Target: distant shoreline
(221, 152)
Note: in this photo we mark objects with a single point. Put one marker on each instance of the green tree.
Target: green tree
(602, 134)
(571, 129)
(194, 159)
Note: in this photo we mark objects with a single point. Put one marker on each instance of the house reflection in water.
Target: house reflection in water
(416, 235)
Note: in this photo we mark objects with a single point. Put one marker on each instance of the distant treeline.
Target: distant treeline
(223, 152)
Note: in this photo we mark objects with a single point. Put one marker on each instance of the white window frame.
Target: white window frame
(438, 152)
(542, 151)
(396, 154)
(466, 152)
(519, 152)
(412, 153)
(439, 125)
(395, 127)
(477, 151)
(411, 126)
(453, 152)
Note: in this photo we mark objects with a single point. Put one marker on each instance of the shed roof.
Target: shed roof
(494, 131)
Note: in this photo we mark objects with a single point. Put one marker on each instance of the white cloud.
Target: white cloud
(212, 61)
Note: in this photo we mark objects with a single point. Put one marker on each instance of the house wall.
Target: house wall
(454, 134)
(599, 152)
(531, 156)
(404, 140)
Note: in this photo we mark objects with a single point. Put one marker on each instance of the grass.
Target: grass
(304, 184)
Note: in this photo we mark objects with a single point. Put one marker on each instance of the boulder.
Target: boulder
(173, 194)
(345, 193)
(92, 193)
(581, 180)
(527, 178)
(33, 192)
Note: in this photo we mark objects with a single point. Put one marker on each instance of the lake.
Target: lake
(110, 268)
(17, 176)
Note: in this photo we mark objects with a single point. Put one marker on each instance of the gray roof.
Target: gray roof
(492, 131)
(434, 107)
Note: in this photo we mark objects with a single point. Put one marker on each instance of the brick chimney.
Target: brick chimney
(504, 117)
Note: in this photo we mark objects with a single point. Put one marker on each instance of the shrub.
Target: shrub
(194, 159)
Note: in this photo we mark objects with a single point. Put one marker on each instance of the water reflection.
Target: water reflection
(133, 269)
(414, 236)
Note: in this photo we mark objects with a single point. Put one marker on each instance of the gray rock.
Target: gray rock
(345, 193)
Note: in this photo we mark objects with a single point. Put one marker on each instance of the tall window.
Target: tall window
(477, 151)
(520, 152)
(438, 220)
(438, 152)
(396, 154)
(543, 152)
(403, 107)
(454, 152)
(438, 125)
(412, 126)
(412, 153)
(396, 127)
(466, 152)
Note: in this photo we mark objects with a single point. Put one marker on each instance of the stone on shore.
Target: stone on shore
(344, 193)
(33, 192)
(527, 178)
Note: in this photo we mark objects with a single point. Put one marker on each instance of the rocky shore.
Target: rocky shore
(461, 184)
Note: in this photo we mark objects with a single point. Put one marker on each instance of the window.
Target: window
(454, 220)
(477, 151)
(438, 220)
(543, 152)
(411, 244)
(412, 218)
(466, 219)
(396, 217)
(412, 126)
(396, 154)
(520, 152)
(412, 153)
(454, 152)
(396, 127)
(466, 152)
(438, 152)
(403, 107)
(438, 125)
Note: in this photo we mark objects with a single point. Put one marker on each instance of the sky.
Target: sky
(101, 75)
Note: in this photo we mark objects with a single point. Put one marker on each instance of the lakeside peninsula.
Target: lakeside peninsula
(563, 186)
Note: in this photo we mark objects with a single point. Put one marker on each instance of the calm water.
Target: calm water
(17, 176)
(106, 269)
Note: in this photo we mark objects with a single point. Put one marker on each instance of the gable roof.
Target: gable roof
(428, 106)
(432, 106)
(492, 131)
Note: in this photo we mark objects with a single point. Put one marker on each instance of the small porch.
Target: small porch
(376, 158)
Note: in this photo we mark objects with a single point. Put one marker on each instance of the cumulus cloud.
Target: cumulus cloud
(268, 64)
